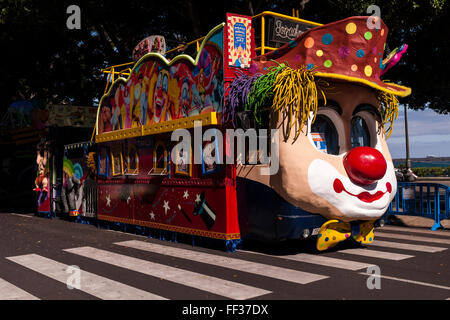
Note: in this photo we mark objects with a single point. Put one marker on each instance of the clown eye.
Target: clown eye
(325, 135)
(165, 83)
(359, 132)
(158, 83)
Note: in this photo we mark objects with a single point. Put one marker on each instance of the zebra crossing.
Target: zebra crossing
(392, 245)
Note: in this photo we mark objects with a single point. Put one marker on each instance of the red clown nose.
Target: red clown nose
(365, 165)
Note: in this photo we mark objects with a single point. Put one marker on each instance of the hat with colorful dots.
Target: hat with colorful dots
(350, 50)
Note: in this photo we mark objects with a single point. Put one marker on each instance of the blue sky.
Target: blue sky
(429, 134)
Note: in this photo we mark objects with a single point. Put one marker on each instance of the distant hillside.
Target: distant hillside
(425, 162)
(427, 159)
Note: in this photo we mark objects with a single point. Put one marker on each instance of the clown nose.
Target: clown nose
(365, 165)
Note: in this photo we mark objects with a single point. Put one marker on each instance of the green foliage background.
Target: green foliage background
(42, 59)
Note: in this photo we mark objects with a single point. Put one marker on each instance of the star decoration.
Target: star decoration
(186, 194)
(152, 215)
(166, 206)
(197, 198)
(108, 200)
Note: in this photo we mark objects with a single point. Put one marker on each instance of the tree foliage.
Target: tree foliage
(43, 59)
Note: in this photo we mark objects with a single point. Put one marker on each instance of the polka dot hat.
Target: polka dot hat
(344, 50)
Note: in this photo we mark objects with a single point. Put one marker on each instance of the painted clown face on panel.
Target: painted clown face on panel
(161, 96)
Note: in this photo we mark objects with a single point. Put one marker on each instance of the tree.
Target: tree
(45, 60)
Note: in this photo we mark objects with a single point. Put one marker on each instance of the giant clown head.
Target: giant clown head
(333, 113)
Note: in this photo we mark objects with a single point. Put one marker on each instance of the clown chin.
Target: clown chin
(353, 201)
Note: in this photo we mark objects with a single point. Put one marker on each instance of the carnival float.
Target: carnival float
(311, 98)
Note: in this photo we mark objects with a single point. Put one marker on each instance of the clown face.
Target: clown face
(340, 165)
(161, 97)
(185, 99)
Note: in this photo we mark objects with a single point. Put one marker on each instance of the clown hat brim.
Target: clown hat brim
(346, 50)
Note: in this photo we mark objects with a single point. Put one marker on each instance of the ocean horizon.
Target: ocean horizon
(422, 163)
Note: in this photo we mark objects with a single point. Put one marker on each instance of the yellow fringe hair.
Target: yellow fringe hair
(296, 93)
(389, 110)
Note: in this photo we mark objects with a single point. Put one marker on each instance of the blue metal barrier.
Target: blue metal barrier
(430, 200)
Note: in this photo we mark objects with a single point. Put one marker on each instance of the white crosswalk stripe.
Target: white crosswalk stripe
(101, 287)
(411, 237)
(227, 262)
(321, 260)
(406, 246)
(376, 254)
(9, 291)
(215, 285)
(90, 283)
(438, 233)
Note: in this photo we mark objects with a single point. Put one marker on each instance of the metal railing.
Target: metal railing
(430, 200)
(263, 48)
(90, 200)
(125, 68)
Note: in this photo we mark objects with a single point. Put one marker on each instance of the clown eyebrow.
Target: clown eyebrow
(331, 104)
(369, 108)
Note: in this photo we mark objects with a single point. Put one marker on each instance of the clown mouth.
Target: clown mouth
(363, 196)
(158, 108)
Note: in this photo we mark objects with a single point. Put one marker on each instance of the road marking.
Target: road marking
(412, 238)
(215, 285)
(227, 262)
(21, 215)
(90, 283)
(406, 246)
(439, 233)
(320, 260)
(407, 281)
(9, 291)
(376, 254)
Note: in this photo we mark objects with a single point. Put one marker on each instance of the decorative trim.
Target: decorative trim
(78, 145)
(406, 91)
(156, 225)
(211, 118)
(119, 135)
(176, 182)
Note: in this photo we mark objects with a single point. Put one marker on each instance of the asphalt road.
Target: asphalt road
(38, 258)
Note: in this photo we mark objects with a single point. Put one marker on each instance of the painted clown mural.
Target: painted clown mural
(324, 93)
(158, 90)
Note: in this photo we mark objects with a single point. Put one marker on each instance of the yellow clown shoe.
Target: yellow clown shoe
(331, 233)
(363, 233)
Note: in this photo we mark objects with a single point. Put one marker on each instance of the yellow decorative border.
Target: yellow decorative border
(405, 93)
(211, 118)
(156, 225)
(163, 59)
(119, 135)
